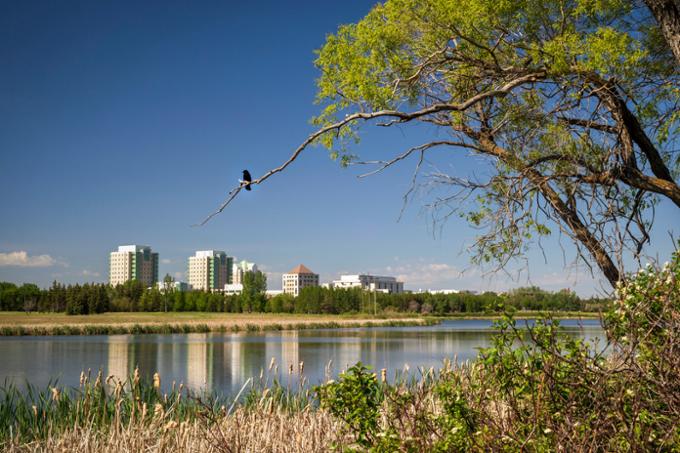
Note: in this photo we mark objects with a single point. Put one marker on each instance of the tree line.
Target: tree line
(134, 296)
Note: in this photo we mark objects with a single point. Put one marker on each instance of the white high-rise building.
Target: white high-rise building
(241, 268)
(369, 282)
(209, 270)
(133, 262)
(299, 278)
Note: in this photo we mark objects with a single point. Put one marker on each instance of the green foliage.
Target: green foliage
(355, 399)
(411, 54)
(254, 288)
(132, 296)
(537, 388)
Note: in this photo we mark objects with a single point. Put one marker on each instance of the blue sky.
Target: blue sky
(127, 122)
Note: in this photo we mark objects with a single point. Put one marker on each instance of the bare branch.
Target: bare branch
(408, 152)
(399, 115)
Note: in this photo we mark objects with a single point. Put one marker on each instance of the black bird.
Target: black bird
(247, 178)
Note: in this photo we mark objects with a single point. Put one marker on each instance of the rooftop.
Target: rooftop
(300, 269)
(208, 253)
(133, 248)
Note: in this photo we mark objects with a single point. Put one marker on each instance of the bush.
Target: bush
(537, 388)
(355, 399)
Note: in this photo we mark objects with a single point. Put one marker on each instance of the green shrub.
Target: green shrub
(355, 398)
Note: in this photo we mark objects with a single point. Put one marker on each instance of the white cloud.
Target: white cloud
(89, 273)
(166, 261)
(179, 276)
(569, 278)
(273, 279)
(22, 259)
(425, 274)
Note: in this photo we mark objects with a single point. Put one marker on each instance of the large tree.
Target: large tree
(573, 105)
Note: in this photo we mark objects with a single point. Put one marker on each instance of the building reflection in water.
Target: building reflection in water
(199, 362)
(119, 357)
(236, 345)
(290, 349)
(348, 353)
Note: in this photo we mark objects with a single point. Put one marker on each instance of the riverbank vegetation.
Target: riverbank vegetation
(534, 389)
(17, 324)
(134, 297)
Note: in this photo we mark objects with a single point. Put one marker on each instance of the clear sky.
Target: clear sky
(127, 122)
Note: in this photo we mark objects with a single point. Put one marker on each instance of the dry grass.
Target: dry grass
(243, 431)
(17, 324)
(149, 318)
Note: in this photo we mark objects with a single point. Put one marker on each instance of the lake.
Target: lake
(223, 362)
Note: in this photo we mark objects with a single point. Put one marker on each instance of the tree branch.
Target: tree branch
(399, 115)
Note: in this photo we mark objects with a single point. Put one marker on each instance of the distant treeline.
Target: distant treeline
(133, 296)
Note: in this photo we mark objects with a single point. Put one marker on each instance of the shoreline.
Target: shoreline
(168, 328)
(15, 323)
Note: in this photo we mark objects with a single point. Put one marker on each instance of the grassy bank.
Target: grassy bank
(18, 324)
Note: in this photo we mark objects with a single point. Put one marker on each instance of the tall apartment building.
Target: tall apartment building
(133, 262)
(209, 270)
(299, 278)
(241, 268)
(369, 282)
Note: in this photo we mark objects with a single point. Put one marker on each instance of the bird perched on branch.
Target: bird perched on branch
(247, 179)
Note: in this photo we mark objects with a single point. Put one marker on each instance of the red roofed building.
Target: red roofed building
(298, 278)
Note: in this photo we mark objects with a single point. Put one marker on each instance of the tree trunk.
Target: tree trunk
(667, 14)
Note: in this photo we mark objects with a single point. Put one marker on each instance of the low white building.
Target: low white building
(443, 291)
(369, 282)
(174, 286)
(233, 288)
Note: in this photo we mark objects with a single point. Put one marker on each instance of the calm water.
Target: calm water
(223, 362)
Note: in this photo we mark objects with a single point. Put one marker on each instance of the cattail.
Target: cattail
(82, 378)
(110, 378)
(158, 410)
(170, 425)
(144, 410)
(98, 382)
(290, 369)
(135, 377)
(383, 375)
(301, 367)
(35, 411)
(156, 381)
(55, 394)
(272, 363)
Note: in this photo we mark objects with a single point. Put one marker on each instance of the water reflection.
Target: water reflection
(223, 362)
